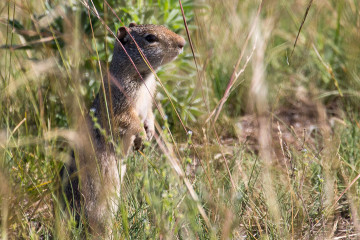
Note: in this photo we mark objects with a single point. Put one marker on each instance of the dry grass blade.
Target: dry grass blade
(329, 69)
(346, 189)
(235, 73)
(194, 57)
(259, 94)
(188, 35)
(301, 25)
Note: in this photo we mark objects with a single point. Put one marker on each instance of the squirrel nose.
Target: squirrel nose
(181, 42)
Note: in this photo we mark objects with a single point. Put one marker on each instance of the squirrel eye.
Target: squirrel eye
(151, 38)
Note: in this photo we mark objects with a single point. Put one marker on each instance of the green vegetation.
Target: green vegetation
(299, 182)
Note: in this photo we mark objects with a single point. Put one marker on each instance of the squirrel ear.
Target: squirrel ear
(121, 34)
(132, 24)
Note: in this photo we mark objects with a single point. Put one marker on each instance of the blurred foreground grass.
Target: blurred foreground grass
(253, 178)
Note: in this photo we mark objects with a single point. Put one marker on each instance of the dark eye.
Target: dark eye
(151, 38)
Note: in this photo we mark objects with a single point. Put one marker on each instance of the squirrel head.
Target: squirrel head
(159, 45)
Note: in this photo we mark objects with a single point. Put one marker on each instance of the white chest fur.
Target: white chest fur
(145, 96)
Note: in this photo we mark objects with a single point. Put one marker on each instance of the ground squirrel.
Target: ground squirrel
(91, 180)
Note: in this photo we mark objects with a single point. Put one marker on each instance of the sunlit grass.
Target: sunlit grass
(279, 159)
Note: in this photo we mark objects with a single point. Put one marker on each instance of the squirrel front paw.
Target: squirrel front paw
(139, 141)
(149, 129)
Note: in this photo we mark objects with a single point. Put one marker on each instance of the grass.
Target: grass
(281, 160)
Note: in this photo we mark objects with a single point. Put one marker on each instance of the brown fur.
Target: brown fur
(94, 191)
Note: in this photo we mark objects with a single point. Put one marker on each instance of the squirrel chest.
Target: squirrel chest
(144, 97)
